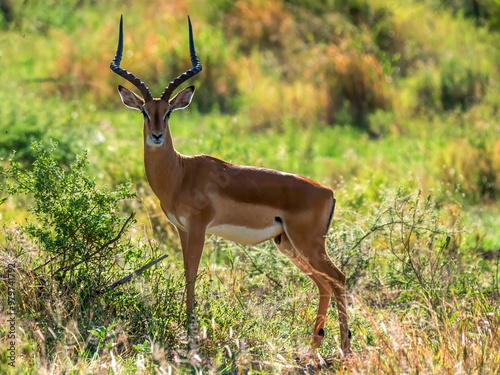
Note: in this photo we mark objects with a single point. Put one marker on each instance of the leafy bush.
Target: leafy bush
(471, 169)
(461, 86)
(357, 79)
(404, 242)
(261, 25)
(484, 12)
(77, 231)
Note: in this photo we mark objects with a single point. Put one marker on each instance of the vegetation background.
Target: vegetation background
(395, 105)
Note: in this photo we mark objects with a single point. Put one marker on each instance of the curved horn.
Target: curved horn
(115, 67)
(188, 73)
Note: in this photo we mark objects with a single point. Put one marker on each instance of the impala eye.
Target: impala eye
(167, 115)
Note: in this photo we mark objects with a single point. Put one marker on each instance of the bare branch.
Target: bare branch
(133, 274)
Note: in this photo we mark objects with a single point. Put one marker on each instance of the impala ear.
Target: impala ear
(182, 99)
(130, 98)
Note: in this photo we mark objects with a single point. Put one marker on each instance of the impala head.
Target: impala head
(156, 111)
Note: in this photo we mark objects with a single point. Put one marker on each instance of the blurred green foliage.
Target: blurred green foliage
(375, 98)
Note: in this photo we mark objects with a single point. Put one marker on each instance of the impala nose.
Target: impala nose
(158, 139)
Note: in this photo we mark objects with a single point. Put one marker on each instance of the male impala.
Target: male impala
(202, 194)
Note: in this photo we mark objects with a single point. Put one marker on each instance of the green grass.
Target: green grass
(291, 104)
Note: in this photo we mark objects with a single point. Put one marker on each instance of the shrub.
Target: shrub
(76, 230)
(354, 80)
(260, 24)
(461, 86)
(469, 169)
(404, 244)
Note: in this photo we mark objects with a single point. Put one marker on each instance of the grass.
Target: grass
(414, 159)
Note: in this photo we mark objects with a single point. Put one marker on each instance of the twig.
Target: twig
(276, 282)
(372, 230)
(133, 274)
(47, 262)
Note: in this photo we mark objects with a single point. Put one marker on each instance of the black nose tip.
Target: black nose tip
(157, 138)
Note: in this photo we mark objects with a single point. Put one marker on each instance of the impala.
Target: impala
(204, 195)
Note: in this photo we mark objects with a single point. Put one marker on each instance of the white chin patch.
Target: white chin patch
(152, 143)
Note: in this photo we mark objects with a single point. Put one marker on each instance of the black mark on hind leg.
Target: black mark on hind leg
(277, 239)
(321, 332)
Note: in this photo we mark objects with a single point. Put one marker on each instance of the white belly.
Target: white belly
(245, 235)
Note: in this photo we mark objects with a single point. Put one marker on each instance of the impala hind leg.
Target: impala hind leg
(332, 280)
(328, 278)
(285, 246)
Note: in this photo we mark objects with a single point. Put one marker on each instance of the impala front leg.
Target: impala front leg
(183, 237)
(192, 248)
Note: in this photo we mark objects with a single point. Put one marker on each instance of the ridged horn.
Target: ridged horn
(188, 73)
(115, 67)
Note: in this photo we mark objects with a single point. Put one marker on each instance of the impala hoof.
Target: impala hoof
(317, 338)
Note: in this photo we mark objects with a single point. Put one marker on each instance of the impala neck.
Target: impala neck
(163, 165)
